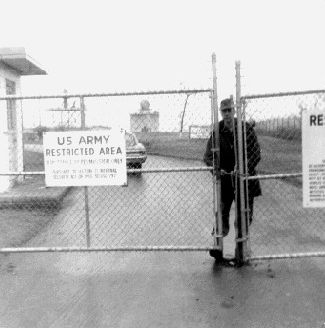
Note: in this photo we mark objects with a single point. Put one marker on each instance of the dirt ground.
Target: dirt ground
(26, 209)
(18, 226)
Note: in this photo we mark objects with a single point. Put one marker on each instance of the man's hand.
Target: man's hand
(220, 173)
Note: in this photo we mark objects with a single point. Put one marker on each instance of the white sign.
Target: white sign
(85, 158)
(313, 157)
(200, 131)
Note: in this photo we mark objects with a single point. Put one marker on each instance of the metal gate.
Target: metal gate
(168, 203)
(281, 227)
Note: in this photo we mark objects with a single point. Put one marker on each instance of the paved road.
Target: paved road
(176, 209)
(155, 209)
(165, 289)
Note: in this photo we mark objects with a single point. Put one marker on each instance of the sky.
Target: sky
(108, 46)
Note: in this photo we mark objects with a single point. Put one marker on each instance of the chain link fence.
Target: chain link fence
(168, 201)
(281, 226)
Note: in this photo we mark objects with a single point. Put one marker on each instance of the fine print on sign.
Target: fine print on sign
(85, 158)
(200, 131)
(313, 157)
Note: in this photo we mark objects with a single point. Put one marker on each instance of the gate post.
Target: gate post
(217, 252)
(83, 125)
(241, 231)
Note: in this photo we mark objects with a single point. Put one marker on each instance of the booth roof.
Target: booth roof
(17, 59)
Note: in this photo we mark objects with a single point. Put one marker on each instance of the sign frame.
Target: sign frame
(313, 157)
(85, 158)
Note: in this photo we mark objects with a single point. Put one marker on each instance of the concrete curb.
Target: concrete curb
(32, 193)
(33, 201)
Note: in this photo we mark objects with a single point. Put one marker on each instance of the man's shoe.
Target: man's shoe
(217, 254)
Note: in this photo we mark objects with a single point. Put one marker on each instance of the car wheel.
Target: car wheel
(136, 166)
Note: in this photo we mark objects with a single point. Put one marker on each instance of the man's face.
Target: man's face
(228, 115)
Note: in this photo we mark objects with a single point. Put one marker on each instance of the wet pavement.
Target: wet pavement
(152, 289)
(165, 289)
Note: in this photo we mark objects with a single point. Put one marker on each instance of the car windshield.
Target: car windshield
(130, 140)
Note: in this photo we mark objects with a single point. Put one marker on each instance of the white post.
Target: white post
(4, 144)
(241, 238)
(19, 136)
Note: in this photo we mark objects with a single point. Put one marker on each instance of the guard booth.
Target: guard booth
(14, 63)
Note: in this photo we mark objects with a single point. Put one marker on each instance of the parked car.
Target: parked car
(136, 153)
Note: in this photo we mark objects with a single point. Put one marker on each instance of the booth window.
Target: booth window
(11, 104)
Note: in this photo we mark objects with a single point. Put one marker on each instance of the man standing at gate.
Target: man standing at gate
(228, 154)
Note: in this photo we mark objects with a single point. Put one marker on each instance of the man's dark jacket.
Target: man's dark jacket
(227, 157)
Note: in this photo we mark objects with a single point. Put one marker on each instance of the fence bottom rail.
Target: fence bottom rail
(105, 249)
(286, 256)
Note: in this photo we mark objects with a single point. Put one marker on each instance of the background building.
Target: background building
(144, 120)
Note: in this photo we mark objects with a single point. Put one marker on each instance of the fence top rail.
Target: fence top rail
(282, 94)
(111, 94)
